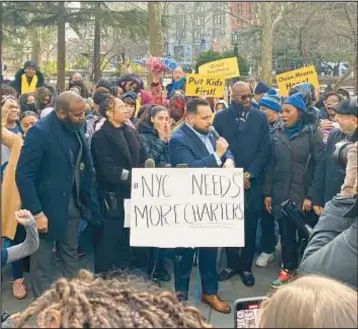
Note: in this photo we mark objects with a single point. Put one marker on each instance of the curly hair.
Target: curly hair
(106, 104)
(90, 301)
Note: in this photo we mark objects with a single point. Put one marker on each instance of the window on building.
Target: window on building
(200, 8)
(223, 6)
(222, 32)
(179, 52)
(219, 19)
(199, 21)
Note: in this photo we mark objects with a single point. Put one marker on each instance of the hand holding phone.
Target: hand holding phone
(247, 312)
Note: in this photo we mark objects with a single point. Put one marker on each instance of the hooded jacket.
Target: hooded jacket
(332, 249)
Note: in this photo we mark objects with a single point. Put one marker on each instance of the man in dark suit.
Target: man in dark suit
(54, 176)
(193, 145)
(247, 131)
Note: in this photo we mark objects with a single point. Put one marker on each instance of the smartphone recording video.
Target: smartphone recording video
(247, 312)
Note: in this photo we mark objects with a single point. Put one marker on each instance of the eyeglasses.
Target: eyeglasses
(243, 97)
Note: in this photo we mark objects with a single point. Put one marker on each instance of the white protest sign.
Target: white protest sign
(177, 207)
(127, 213)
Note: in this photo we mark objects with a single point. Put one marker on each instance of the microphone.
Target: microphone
(149, 163)
(214, 132)
(182, 165)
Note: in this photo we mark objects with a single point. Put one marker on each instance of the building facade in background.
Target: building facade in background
(196, 27)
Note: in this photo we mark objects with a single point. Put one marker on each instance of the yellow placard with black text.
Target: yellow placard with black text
(204, 85)
(288, 79)
(227, 68)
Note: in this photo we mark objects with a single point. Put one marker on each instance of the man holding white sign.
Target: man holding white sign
(193, 145)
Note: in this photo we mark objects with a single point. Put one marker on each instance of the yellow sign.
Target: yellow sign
(288, 79)
(204, 85)
(228, 68)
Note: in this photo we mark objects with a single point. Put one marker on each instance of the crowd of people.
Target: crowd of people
(67, 159)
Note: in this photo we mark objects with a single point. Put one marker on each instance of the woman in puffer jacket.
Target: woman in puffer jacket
(297, 151)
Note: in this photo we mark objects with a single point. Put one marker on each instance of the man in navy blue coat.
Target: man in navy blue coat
(194, 146)
(247, 131)
(54, 176)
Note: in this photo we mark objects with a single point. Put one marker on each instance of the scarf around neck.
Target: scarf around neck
(290, 131)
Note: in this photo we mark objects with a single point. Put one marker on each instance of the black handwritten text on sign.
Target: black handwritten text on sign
(187, 207)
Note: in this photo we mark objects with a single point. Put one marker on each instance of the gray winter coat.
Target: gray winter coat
(332, 249)
(293, 166)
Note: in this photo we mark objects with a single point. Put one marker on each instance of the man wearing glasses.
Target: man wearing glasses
(247, 131)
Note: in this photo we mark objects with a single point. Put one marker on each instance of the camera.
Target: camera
(340, 153)
(292, 211)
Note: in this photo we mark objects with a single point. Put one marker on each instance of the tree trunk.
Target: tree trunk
(193, 55)
(355, 80)
(61, 47)
(353, 70)
(155, 29)
(266, 42)
(36, 45)
(97, 44)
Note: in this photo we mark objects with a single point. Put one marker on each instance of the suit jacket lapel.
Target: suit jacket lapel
(60, 136)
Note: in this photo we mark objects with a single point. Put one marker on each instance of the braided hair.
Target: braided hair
(106, 104)
(123, 302)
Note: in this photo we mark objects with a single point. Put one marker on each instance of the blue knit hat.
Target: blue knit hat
(296, 100)
(261, 88)
(271, 100)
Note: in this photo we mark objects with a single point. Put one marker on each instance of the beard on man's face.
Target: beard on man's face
(201, 130)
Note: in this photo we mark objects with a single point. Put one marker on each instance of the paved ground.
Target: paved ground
(229, 290)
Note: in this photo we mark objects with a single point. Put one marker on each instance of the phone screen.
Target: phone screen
(247, 313)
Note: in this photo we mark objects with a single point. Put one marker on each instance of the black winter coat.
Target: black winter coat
(114, 149)
(16, 84)
(293, 167)
(330, 174)
(249, 142)
(154, 147)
